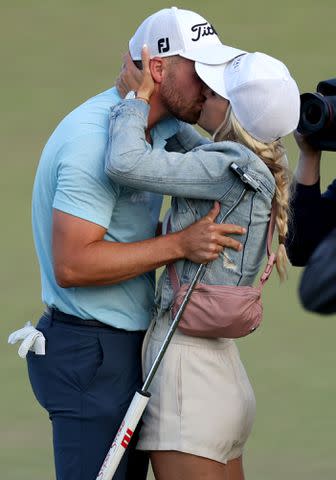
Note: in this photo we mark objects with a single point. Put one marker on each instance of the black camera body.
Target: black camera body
(318, 116)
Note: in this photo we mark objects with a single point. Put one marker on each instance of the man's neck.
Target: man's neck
(157, 113)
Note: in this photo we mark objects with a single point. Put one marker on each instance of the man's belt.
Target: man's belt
(62, 317)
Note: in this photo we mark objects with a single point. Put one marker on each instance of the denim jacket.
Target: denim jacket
(194, 179)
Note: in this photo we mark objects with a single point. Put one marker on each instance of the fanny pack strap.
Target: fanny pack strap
(175, 282)
(270, 255)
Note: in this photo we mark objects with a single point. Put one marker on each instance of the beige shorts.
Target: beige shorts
(202, 402)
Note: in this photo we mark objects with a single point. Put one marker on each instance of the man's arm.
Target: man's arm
(318, 283)
(83, 206)
(83, 258)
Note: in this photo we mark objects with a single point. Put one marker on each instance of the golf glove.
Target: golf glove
(32, 339)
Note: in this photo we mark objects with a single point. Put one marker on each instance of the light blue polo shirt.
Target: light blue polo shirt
(70, 177)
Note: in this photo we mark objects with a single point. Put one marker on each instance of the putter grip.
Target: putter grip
(124, 435)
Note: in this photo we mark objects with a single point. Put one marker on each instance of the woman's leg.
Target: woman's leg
(172, 465)
(235, 469)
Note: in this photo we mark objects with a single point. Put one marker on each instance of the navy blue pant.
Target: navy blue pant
(86, 381)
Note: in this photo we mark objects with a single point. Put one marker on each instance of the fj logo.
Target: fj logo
(202, 30)
(163, 45)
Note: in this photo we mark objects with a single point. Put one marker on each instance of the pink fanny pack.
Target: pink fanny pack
(220, 310)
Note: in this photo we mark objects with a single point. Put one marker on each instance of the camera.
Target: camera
(318, 116)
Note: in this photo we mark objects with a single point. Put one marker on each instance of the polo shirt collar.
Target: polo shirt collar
(164, 130)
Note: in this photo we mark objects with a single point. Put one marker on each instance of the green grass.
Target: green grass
(53, 56)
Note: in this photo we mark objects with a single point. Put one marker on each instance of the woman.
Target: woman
(202, 406)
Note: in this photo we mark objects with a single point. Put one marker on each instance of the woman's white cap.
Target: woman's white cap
(173, 31)
(264, 97)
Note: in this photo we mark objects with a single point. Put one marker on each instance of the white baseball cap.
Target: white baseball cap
(173, 31)
(264, 97)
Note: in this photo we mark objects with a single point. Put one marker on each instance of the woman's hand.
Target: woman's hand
(130, 77)
(147, 85)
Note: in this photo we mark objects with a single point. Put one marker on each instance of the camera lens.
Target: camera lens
(318, 116)
(314, 113)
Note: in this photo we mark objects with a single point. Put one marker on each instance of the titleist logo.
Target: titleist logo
(202, 30)
(236, 63)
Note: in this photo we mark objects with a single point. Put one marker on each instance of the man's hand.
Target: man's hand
(204, 240)
(130, 77)
(82, 257)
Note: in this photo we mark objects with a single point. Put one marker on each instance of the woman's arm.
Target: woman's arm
(202, 173)
(187, 138)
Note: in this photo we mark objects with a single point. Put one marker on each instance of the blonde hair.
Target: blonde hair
(274, 156)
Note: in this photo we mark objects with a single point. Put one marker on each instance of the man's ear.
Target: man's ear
(156, 68)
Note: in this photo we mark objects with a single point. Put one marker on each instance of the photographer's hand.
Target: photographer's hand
(308, 167)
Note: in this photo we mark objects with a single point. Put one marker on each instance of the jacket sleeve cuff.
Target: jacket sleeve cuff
(132, 107)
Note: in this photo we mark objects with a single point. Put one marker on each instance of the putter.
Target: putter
(142, 396)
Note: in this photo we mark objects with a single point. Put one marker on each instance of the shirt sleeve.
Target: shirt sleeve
(131, 161)
(83, 189)
(312, 217)
(318, 283)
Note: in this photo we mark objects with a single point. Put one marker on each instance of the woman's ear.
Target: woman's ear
(156, 68)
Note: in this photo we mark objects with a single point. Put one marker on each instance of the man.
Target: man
(96, 248)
